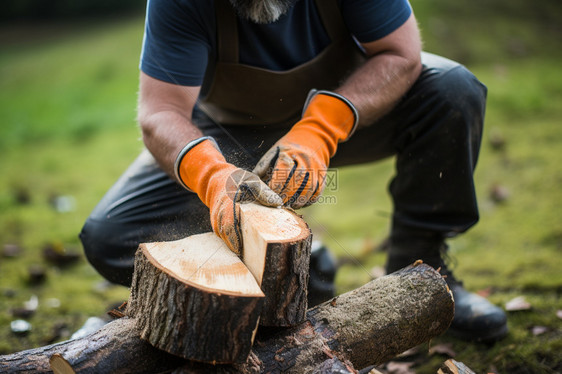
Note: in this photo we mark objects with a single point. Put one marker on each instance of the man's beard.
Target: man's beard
(262, 11)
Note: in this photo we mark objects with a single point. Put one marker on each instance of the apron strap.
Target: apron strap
(332, 19)
(227, 32)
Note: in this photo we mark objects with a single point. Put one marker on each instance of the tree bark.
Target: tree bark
(194, 298)
(366, 326)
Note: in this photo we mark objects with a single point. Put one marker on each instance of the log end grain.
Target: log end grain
(199, 303)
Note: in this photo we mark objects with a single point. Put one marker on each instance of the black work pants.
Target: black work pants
(434, 133)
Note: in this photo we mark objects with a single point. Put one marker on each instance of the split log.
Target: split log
(208, 301)
(367, 326)
(195, 298)
(277, 251)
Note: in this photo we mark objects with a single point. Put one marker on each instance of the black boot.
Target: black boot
(322, 274)
(476, 319)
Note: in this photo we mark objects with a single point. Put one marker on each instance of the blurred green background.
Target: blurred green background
(68, 86)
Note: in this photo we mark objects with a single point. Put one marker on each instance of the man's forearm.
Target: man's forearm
(377, 86)
(394, 66)
(165, 134)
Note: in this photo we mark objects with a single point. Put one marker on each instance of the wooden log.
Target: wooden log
(277, 251)
(195, 298)
(367, 326)
(334, 366)
(115, 348)
(208, 301)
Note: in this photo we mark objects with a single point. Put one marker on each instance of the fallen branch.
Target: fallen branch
(115, 348)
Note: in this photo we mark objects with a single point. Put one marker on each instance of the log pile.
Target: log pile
(195, 307)
(367, 326)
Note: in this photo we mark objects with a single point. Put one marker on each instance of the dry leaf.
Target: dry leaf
(400, 367)
(414, 351)
(11, 250)
(517, 304)
(538, 330)
(377, 272)
(497, 141)
(485, 293)
(499, 193)
(367, 247)
(443, 349)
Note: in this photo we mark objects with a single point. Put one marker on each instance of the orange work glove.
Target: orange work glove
(202, 168)
(296, 166)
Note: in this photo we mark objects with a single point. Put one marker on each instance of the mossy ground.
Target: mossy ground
(67, 103)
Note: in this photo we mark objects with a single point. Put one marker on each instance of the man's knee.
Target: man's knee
(462, 93)
(108, 250)
(465, 96)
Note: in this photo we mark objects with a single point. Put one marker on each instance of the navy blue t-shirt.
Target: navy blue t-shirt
(180, 35)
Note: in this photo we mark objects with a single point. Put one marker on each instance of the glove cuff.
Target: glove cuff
(352, 107)
(181, 155)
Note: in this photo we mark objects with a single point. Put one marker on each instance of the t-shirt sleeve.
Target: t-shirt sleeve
(370, 20)
(176, 42)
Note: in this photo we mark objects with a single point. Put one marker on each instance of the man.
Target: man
(265, 95)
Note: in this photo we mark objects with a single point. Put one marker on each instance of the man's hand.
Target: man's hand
(221, 187)
(295, 167)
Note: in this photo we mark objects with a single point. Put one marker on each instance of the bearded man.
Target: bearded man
(274, 92)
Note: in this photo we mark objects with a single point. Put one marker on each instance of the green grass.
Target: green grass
(68, 109)
(71, 87)
(67, 103)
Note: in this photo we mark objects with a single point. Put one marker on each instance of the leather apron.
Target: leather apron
(245, 95)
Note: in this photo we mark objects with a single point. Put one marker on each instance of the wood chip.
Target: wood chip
(454, 367)
(59, 365)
